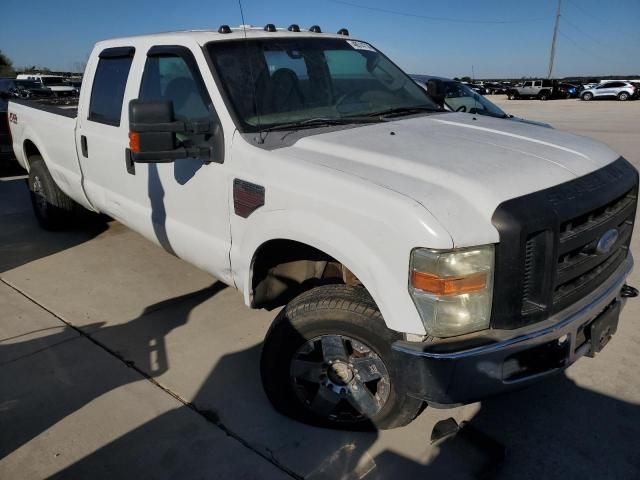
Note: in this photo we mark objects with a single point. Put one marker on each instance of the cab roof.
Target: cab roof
(203, 37)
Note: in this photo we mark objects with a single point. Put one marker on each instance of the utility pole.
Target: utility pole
(552, 56)
(473, 74)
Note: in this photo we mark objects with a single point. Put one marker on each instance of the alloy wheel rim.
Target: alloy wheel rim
(339, 378)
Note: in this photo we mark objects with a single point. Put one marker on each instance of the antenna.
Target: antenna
(552, 55)
(253, 80)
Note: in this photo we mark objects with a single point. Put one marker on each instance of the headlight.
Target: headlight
(452, 290)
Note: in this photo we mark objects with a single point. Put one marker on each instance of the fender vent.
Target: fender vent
(247, 197)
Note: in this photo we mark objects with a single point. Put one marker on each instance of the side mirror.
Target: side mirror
(152, 133)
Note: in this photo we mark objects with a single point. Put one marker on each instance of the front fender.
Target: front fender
(376, 254)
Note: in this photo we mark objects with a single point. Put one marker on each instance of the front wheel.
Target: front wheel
(587, 96)
(327, 361)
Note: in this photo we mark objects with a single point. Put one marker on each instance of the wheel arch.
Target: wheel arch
(30, 150)
(279, 268)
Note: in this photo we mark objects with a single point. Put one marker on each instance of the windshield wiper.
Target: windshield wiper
(398, 111)
(292, 127)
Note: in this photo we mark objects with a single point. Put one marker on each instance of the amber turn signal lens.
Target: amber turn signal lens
(448, 285)
(134, 142)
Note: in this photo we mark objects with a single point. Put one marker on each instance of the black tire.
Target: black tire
(544, 96)
(623, 96)
(53, 209)
(350, 315)
(586, 96)
(513, 95)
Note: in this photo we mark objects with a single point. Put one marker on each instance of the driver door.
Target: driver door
(186, 200)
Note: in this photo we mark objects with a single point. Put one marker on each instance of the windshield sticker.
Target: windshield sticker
(361, 45)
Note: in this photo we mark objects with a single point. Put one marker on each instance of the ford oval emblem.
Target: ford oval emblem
(607, 241)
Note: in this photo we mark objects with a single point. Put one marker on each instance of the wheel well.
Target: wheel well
(282, 269)
(30, 151)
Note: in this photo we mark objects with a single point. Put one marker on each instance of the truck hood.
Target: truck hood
(460, 167)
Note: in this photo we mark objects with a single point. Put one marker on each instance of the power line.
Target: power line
(586, 12)
(436, 19)
(581, 48)
(578, 29)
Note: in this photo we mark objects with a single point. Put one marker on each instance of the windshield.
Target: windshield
(53, 80)
(277, 81)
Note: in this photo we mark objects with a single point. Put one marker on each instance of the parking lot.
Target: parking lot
(120, 360)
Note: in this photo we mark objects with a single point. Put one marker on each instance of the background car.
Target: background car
(24, 88)
(621, 90)
(569, 90)
(6, 148)
(541, 89)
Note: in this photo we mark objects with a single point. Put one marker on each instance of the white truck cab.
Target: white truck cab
(420, 255)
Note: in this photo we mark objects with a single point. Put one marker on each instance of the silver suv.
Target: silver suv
(620, 90)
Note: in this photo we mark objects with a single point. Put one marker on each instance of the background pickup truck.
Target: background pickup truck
(419, 255)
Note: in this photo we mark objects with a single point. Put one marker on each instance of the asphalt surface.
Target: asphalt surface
(118, 360)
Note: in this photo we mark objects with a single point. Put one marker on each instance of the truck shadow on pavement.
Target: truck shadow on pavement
(37, 391)
(555, 429)
(21, 238)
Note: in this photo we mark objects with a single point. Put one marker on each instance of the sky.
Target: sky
(488, 38)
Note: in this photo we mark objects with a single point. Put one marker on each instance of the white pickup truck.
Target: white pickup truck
(421, 256)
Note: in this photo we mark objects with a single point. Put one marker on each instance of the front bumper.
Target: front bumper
(532, 353)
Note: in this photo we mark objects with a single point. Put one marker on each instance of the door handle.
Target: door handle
(84, 147)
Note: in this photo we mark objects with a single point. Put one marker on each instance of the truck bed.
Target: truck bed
(48, 127)
(67, 107)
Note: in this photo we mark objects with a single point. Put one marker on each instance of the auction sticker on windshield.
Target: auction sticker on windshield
(361, 45)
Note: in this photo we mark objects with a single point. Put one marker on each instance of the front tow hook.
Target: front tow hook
(628, 291)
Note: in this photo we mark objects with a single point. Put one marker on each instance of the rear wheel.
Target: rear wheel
(587, 96)
(327, 361)
(53, 209)
(623, 96)
(543, 96)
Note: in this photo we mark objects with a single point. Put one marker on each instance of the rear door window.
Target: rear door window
(109, 84)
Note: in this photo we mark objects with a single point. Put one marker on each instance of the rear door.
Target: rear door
(102, 134)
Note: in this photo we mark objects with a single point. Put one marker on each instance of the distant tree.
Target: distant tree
(456, 79)
(6, 66)
(466, 79)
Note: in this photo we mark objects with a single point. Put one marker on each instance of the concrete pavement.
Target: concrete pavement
(117, 359)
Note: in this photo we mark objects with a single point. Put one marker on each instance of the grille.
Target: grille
(552, 243)
(580, 266)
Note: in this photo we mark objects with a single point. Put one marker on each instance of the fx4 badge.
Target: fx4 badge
(13, 118)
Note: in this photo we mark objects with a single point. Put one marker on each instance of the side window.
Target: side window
(528, 84)
(109, 84)
(538, 84)
(168, 77)
(171, 73)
